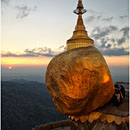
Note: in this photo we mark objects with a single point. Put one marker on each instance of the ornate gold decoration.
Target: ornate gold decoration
(80, 37)
(93, 116)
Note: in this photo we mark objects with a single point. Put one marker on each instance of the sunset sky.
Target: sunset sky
(34, 31)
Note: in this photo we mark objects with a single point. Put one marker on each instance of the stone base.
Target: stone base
(97, 125)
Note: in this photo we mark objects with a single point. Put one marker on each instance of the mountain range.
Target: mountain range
(26, 105)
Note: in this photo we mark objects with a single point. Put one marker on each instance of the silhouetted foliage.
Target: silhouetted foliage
(26, 105)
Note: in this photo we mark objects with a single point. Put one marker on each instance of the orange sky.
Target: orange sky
(25, 61)
(117, 60)
(38, 61)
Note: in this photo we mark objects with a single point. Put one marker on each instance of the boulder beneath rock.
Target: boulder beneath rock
(108, 117)
(79, 81)
(97, 125)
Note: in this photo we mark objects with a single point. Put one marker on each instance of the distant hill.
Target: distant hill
(26, 104)
(37, 78)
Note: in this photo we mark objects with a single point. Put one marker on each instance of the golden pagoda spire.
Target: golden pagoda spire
(80, 37)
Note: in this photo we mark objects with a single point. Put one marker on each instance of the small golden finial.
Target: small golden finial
(80, 9)
(80, 37)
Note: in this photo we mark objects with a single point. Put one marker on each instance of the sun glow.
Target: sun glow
(9, 67)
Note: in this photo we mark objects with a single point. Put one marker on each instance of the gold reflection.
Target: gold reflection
(106, 78)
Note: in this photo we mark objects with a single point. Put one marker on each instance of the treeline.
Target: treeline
(27, 104)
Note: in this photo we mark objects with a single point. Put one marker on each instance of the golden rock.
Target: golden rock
(79, 81)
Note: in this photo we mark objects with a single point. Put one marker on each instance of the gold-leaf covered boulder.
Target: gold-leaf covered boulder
(79, 81)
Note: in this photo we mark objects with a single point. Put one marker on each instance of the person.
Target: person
(122, 93)
(116, 86)
(117, 96)
(122, 90)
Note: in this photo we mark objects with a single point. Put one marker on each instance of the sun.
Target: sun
(9, 67)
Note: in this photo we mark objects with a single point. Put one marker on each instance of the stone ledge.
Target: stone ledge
(54, 125)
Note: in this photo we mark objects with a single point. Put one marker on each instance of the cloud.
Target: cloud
(107, 50)
(90, 19)
(107, 43)
(96, 18)
(40, 52)
(125, 31)
(9, 54)
(115, 52)
(104, 43)
(98, 32)
(123, 17)
(5, 1)
(24, 11)
(99, 17)
(93, 18)
(112, 40)
(36, 52)
(61, 47)
(108, 19)
(125, 36)
(121, 40)
(92, 11)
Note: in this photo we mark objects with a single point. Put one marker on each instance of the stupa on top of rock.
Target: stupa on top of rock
(80, 36)
(79, 80)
